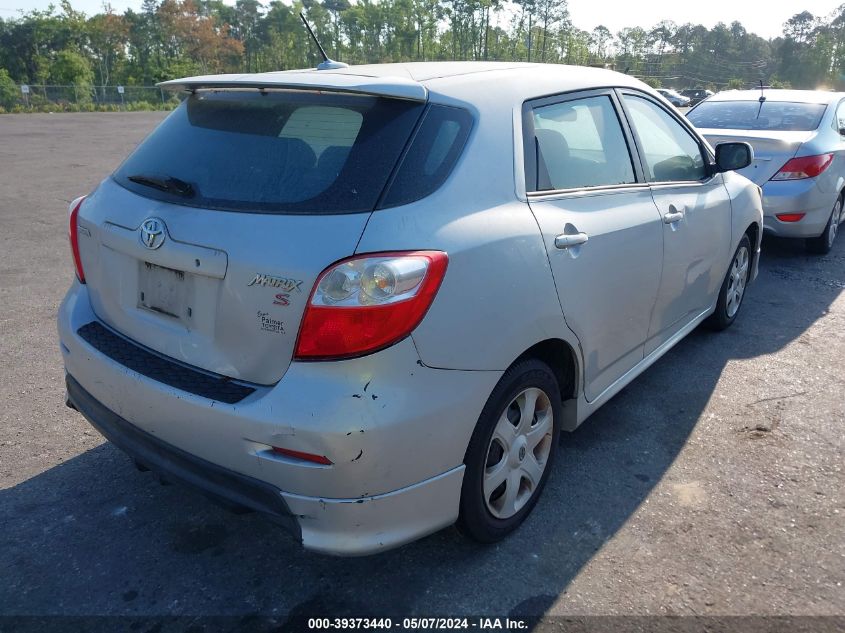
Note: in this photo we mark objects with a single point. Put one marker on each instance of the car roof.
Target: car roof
(778, 94)
(471, 81)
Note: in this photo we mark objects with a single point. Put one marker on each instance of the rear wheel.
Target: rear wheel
(822, 244)
(511, 452)
(733, 287)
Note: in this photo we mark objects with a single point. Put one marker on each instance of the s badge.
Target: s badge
(281, 299)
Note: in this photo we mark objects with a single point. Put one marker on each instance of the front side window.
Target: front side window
(670, 153)
(580, 144)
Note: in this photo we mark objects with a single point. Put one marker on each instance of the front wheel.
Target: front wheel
(511, 452)
(822, 244)
(733, 287)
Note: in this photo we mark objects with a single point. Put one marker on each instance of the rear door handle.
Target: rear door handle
(566, 240)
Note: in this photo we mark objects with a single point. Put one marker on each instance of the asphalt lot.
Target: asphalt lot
(713, 485)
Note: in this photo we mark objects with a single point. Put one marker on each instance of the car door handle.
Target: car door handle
(567, 240)
(673, 216)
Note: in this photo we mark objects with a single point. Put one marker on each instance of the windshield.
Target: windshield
(751, 115)
(277, 151)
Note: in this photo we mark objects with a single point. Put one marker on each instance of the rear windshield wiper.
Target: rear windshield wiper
(166, 183)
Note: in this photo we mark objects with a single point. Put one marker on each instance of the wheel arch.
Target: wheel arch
(753, 233)
(564, 362)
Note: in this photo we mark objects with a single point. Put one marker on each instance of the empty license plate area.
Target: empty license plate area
(165, 291)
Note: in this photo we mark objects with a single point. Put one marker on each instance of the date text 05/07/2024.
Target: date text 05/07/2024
(419, 624)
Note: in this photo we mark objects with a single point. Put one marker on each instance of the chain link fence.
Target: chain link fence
(73, 98)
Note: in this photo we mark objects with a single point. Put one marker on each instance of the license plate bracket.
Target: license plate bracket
(164, 290)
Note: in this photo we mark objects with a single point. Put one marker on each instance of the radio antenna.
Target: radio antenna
(326, 64)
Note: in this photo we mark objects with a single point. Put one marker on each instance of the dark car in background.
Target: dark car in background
(675, 98)
(696, 95)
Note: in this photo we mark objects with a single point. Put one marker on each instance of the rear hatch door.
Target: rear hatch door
(205, 244)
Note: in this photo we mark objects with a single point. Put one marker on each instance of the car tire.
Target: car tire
(822, 244)
(508, 444)
(733, 287)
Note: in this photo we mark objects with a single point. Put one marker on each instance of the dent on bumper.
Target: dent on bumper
(355, 527)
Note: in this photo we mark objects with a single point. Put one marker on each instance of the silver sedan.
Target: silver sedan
(798, 138)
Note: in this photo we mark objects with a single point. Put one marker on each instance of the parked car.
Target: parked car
(675, 98)
(365, 303)
(799, 155)
(696, 95)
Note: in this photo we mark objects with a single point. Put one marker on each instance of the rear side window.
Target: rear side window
(780, 116)
(434, 151)
(580, 144)
(274, 152)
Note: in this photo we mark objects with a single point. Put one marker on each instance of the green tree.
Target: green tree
(9, 90)
(600, 39)
(169, 38)
(71, 68)
(108, 38)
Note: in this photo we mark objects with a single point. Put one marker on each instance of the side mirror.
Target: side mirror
(733, 156)
(842, 130)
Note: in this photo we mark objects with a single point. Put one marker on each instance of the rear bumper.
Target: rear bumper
(179, 466)
(346, 527)
(797, 196)
(396, 432)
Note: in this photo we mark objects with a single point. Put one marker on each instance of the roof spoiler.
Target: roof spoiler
(392, 87)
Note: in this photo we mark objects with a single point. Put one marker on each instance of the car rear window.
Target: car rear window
(780, 116)
(274, 151)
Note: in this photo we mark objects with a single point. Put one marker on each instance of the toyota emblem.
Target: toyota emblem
(153, 233)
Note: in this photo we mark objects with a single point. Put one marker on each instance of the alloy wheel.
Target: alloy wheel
(835, 219)
(737, 282)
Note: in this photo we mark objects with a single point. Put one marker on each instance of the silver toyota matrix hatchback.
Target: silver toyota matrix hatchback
(365, 301)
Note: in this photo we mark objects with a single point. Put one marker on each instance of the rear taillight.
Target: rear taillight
(73, 235)
(804, 167)
(366, 303)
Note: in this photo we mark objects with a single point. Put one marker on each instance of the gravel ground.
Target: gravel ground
(712, 485)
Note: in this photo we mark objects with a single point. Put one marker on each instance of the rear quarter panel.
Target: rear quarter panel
(498, 297)
(832, 180)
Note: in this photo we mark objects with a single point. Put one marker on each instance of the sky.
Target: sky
(763, 17)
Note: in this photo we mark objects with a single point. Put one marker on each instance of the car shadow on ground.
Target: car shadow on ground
(94, 536)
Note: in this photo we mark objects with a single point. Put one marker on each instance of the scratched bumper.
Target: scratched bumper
(355, 527)
(394, 430)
